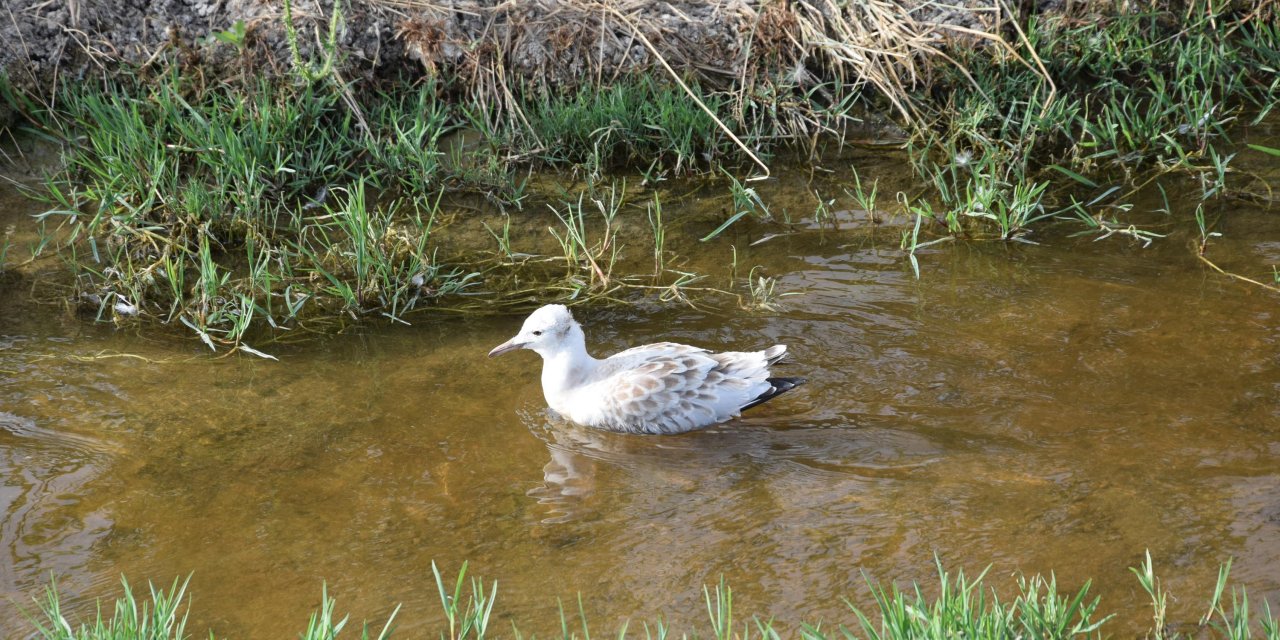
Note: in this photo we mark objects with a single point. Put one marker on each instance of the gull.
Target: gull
(656, 388)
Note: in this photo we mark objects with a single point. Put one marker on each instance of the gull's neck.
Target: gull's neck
(567, 365)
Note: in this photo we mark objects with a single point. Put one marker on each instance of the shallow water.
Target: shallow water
(1059, 407)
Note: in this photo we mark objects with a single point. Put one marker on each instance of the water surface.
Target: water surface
(1056, 407)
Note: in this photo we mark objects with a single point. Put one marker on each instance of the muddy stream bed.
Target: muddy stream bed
(1055, 407)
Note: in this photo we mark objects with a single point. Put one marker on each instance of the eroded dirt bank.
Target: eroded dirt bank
(489, 46)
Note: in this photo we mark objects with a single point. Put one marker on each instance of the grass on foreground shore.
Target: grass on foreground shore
(253, 204)
(964, 607)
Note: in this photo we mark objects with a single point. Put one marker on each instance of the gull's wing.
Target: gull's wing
(672, 388)
(657, 348)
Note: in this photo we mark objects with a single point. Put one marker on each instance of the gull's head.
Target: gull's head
(546, 331)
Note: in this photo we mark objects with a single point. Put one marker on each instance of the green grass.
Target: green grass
(255, 204)
(589, 257)
(220, 207)
(163, 617)
(627, 124)
(245, 205)
(1134, 96)
(955, 606)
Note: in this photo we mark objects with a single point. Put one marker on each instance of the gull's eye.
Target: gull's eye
(537, 333)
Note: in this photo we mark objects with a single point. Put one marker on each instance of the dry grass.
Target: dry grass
(819, 48)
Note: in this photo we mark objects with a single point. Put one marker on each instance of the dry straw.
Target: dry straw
(890, 45)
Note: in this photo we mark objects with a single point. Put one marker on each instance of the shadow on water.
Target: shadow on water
(1059, 407)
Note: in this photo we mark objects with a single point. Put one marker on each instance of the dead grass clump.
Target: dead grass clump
(775, 38)
(423, 39)
(782, 52)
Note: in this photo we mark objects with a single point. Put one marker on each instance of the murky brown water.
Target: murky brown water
(1059, 407)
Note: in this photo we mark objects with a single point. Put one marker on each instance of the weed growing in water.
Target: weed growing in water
(580, 253)
(764, 292)
(866, 198)
(1205, 233)
(822, 211)
(503, 239)
(5, 243)
(471, 618)
(746, 201)
(322, 625)
(1159, 597)
(654, 211)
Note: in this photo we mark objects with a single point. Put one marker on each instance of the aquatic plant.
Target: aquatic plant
(746, 201)
(865, 198)
(472, 618)
(763, 292)
(659, 229)
(964, 608)
(581, 254)
(5, 244)
(322, 626)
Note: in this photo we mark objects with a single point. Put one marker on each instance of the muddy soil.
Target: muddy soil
(555, 43)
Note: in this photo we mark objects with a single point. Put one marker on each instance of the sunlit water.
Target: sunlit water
(1060, 407)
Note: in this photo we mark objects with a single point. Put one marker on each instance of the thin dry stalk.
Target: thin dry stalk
(692, 96)
(1236, 275)
(877, 42)
(1044, 73)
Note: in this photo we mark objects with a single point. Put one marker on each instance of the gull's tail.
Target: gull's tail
(775, 353)
(777, 387)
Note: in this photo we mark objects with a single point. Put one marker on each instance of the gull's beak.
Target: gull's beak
(510, 345)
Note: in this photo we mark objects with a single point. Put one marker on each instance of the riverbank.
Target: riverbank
(283, 169)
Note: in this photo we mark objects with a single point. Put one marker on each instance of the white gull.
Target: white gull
(656, 388)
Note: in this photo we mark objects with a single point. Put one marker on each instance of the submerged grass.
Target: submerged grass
(956, 606)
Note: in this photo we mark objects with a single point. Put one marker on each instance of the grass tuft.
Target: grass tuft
(963, 607)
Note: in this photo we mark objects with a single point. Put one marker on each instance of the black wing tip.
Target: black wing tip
(786, 384)
(777, 387)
